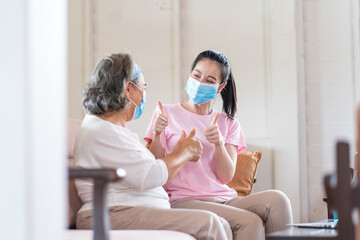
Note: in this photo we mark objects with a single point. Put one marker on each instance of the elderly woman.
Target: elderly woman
(115, 95)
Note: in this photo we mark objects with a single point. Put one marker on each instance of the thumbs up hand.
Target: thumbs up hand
(212, 133)
(180, 141)
(161, 121)
(192, 147)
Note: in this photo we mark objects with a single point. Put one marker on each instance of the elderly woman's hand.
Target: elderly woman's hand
(161, 121)
(189, 146)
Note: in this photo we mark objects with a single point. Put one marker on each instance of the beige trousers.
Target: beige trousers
(247, 215)
(198, 223)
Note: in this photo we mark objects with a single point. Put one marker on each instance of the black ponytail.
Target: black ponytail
(228, 94)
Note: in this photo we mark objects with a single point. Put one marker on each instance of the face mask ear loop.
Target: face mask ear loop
(132, 101)
(137, 87)
(139, 90)
(221, 85)
(218, 91)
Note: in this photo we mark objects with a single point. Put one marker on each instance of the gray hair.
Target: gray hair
(105, 89)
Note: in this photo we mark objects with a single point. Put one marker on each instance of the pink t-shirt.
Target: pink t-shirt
(196, 179)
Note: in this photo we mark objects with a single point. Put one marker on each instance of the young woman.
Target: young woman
(115, 95)
(202, 184)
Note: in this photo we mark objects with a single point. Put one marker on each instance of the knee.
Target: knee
(280, 205)
(278, 198)
(253, 220)
(248, 226)
(226, 226)
(214, 226)
(210, 219)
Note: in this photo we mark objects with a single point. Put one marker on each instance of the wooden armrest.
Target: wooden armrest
(104, 174)
(101, 179)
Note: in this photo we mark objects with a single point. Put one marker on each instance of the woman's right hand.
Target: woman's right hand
(161, 121)
(189, 145)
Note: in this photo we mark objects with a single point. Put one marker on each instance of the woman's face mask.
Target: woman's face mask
(139, 109)
(199, 92)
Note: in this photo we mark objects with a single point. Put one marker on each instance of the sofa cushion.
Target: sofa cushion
(245, 172)
(130, 235)
(73, 127)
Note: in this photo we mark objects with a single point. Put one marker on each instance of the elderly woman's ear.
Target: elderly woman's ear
(127, 88)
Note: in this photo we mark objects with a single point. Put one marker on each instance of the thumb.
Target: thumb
(192, 133)
(182, 137)
(216, 117)
(161, 107)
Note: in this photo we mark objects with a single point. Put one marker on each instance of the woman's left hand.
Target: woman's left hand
(212, 133)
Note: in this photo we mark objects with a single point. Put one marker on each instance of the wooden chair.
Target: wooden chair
(341, 195)
(101, 178)
(331, 212)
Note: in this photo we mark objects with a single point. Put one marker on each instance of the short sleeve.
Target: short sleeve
(149, 132)
(235, 135)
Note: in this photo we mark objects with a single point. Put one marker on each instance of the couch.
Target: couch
(242, 182)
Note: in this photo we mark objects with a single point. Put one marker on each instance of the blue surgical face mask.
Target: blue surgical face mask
(139, 109)
(199, 92)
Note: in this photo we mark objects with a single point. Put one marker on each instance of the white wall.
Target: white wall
(283, 107)
(331, 38)
(32, 139)
(286, 60)
(143, 28)
(76, 57)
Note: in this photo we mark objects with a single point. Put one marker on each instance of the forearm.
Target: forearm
(224, 164)
(156, 148)
(174, 162)
(186, 149)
